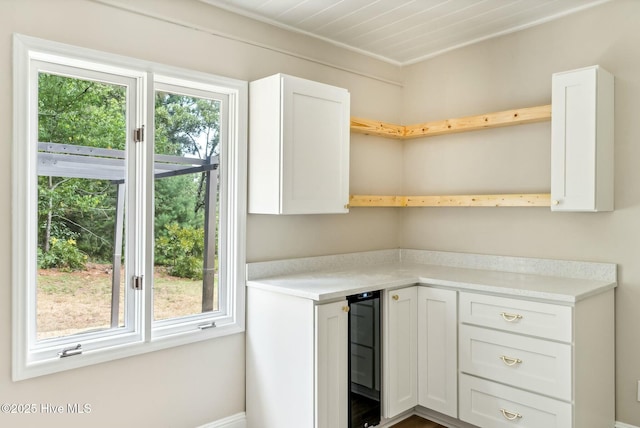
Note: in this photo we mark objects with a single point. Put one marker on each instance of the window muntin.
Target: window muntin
(133, 329)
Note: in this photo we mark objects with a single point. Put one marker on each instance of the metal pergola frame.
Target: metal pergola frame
(75, 161)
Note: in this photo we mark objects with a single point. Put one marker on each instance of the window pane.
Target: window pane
(82, 136)
(186, 205)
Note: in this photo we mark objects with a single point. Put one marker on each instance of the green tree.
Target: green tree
(93, 114)
(82, 113)
(185, 126)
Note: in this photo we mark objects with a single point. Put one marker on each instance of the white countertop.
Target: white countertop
(331, 283)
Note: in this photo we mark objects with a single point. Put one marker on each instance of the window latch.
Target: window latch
(136, 282)
(70, 352)
(207, 325)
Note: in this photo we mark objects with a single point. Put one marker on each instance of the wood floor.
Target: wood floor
(416, 422)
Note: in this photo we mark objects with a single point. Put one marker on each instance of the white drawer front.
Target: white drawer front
(524, 362)
(491, 405)
(519, 316)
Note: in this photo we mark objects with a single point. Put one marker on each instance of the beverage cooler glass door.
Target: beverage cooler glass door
(364, 360)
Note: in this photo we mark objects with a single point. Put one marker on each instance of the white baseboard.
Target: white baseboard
(623, 425)
(238, 420)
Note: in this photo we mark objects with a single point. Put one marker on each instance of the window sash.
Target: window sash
(197, 322)
(46, 349)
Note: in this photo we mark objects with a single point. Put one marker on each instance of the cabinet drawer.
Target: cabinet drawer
(523, 362)
(519, 316)
(491, 405)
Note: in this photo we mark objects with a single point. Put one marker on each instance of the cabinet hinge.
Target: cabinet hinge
(138, 134)
(136, 282)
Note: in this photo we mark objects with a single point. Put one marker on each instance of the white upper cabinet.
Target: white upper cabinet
(582, 140)
(298, 146)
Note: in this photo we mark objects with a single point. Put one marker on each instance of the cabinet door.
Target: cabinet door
(437, 350)
(331, 368)
(400, 345)
(582, 140)
(315, 152)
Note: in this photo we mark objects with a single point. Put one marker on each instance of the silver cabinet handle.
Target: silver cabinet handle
(509, 361)
(510, 415)
(510, 317)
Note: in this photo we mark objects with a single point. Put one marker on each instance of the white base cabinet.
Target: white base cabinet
(491, 361)
(296, 362)
(400, 348)
(531, 364)
(438, 350)
(299, 133)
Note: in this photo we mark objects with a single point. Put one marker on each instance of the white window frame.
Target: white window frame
(145, 335)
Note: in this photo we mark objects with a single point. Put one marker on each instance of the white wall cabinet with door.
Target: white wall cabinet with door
(297, 374)
(582, 134)
(299, 133)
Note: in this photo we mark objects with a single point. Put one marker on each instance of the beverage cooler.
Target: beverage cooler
(364, 360)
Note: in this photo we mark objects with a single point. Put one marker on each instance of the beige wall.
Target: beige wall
(515, 71)
(199, 383)
(179, 387)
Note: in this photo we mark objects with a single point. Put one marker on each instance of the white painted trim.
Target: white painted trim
(239, 420)
(623, 425)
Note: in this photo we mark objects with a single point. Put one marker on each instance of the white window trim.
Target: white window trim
(24, 264)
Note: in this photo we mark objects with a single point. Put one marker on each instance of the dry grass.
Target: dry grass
(73, 302)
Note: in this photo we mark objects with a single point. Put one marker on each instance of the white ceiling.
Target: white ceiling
(404, 31)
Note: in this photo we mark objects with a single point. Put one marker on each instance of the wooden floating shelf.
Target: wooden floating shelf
(503, 200)
(451, 126)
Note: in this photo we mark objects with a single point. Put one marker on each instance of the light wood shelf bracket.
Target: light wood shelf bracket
(502, 200)
(451, 126)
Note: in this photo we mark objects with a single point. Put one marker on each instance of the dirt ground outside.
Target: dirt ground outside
(74, 302)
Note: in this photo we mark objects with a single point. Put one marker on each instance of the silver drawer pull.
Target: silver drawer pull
(510, 317)
(510, 415)
(510, 361)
